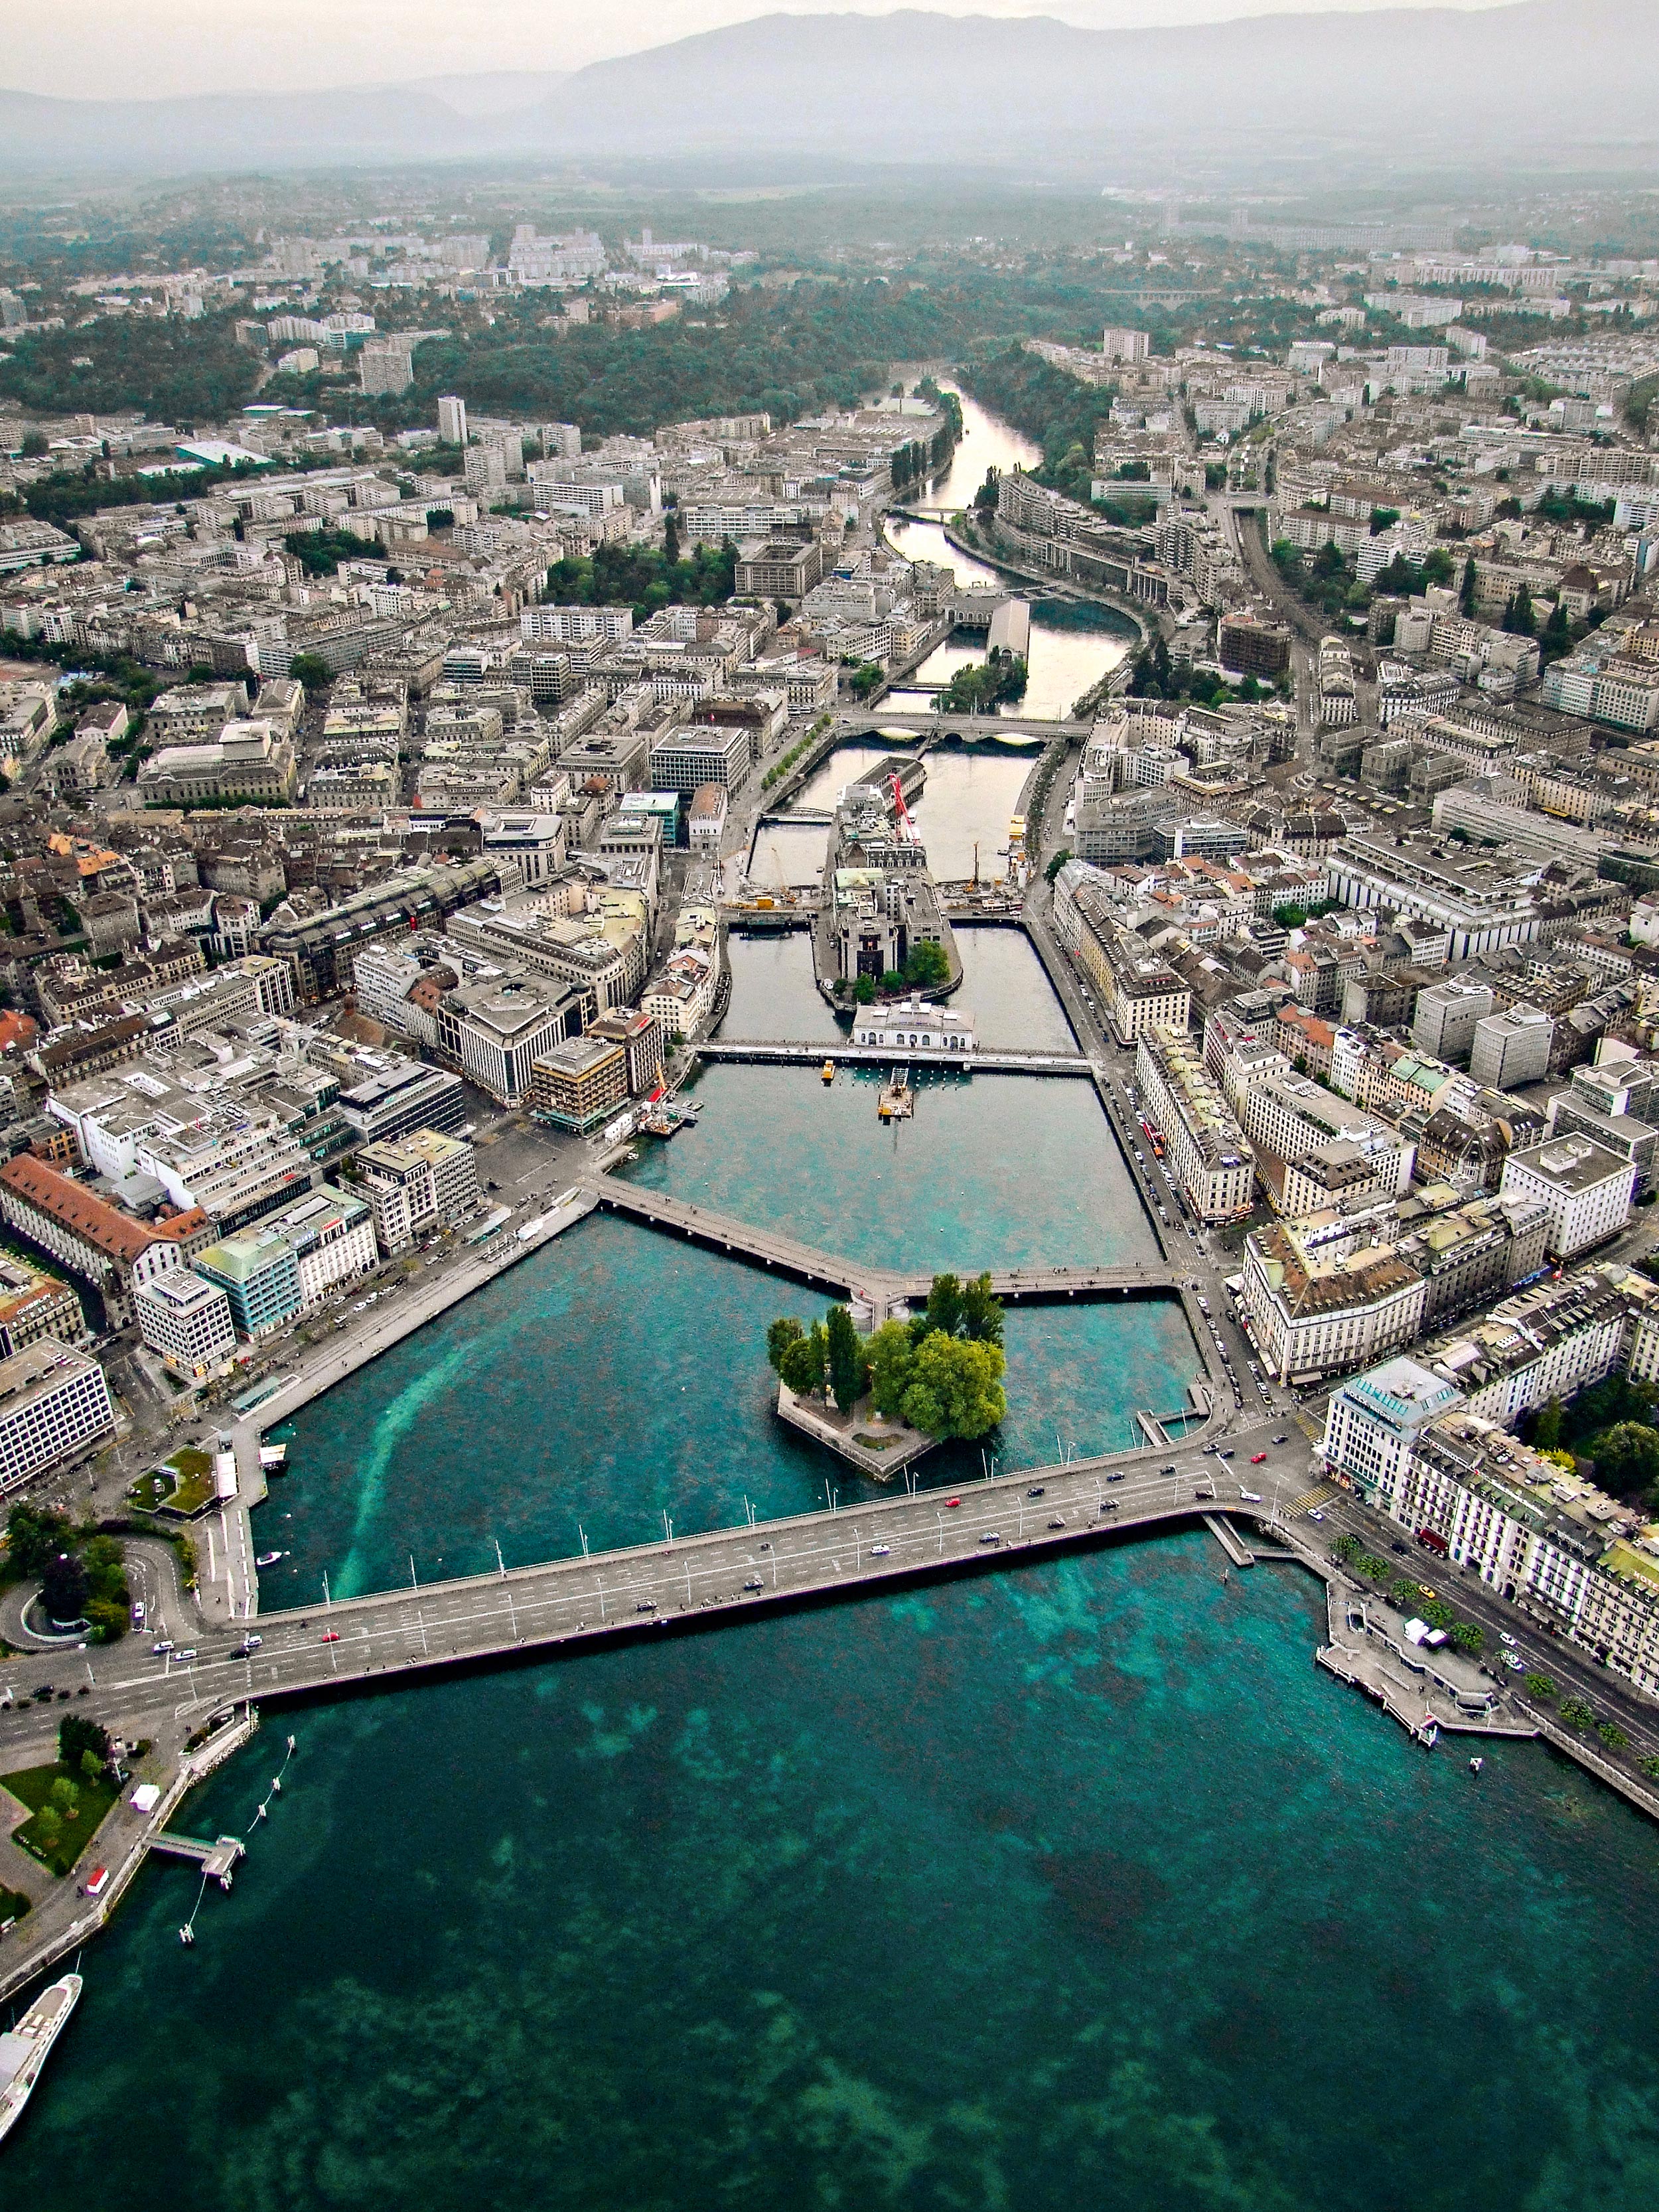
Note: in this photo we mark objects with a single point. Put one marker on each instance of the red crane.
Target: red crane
(907, 827)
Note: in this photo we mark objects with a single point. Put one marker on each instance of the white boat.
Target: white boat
(24, 2052)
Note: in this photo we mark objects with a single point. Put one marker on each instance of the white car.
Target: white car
(880, 1551)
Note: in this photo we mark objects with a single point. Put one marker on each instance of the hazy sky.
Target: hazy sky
(115, 48)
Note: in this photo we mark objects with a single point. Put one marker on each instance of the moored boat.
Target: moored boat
(25, 2050)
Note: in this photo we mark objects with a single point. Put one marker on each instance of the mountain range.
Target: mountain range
(1564, 84)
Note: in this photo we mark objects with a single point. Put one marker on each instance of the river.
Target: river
(1071, 647)
(1074, 1884)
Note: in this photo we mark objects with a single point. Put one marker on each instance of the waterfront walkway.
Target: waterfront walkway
(790, 1053)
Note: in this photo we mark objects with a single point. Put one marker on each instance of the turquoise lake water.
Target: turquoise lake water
(1077, 1884)
(1071, 1886)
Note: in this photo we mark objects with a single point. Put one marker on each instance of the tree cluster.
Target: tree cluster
(81, 1575)
(982, 686)
(176, 371)
(1614, 1423)
(645, 579)
(941, 1372)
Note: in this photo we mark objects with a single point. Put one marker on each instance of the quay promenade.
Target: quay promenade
(885, 1287)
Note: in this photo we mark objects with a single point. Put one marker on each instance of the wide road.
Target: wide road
(677, 1581)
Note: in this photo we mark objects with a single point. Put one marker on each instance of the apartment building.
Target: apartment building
(54, 1402)
(187, 1320)
(34, 1304)
(1550, 1340)
(259, 1274)
(1576, 1560)
(1205, 1149)
(1320, 1308)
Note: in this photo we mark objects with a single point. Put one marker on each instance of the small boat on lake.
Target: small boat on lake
(25, 2050)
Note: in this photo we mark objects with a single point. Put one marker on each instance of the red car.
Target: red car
(953, 1501)
(331, 1636)
(1256, 1458)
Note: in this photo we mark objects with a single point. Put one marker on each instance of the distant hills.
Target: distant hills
(1563, 84)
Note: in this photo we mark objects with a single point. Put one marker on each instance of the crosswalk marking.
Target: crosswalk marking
(1317, 1496)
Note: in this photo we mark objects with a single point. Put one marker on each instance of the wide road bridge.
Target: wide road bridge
(680, 1582)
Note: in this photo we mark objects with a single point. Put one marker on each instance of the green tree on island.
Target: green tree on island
(941, 1372)
(848, 1371)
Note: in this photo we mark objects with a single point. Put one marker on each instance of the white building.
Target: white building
(187, 1320)
(452, 420)
(53, 1402)
(1587, 1189)
(910, 1027)
(331, 1235)
(1511, 1049)
(418, 1183)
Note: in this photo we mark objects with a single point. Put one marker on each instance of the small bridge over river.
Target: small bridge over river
(884, 1288)
(787, 1052)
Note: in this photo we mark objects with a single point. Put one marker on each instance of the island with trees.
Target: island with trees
(882, 1400)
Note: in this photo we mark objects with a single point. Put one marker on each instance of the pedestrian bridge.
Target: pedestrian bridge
(789, 1053)
(882, 1287)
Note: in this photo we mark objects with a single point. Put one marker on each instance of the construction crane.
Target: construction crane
(906, 828)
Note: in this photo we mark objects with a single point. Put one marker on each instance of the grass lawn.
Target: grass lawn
(182, 1485)
(13, 1904)
(33, 1786)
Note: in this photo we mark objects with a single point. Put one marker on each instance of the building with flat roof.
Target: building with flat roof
(641, 1038)
(699, 754)
(401, 1096)
(54, 1402)
(1587, 1189)
(259, 1274)
(579, 1082)
(187, 1320)
(910, 1027)
(417, 1184)
(1372, 1422)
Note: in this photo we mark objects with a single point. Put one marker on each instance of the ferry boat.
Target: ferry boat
(25, 2050)
(273, 1458)
(828, 1070)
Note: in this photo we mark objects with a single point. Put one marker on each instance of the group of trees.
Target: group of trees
(1154, 675)
(80, 1574)
(982, 686)
(176, 371)
(645, 579)
(1057, 411)
(926, 969)
(816, 344)
(940, 1373)
(1615, 1424)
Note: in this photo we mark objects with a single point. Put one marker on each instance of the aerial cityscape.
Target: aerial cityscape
(829, 1107)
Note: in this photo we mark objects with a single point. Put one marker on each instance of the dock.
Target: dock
(1230, 1539)
(217, 1859)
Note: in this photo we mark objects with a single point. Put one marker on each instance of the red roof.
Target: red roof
(105, 1227)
